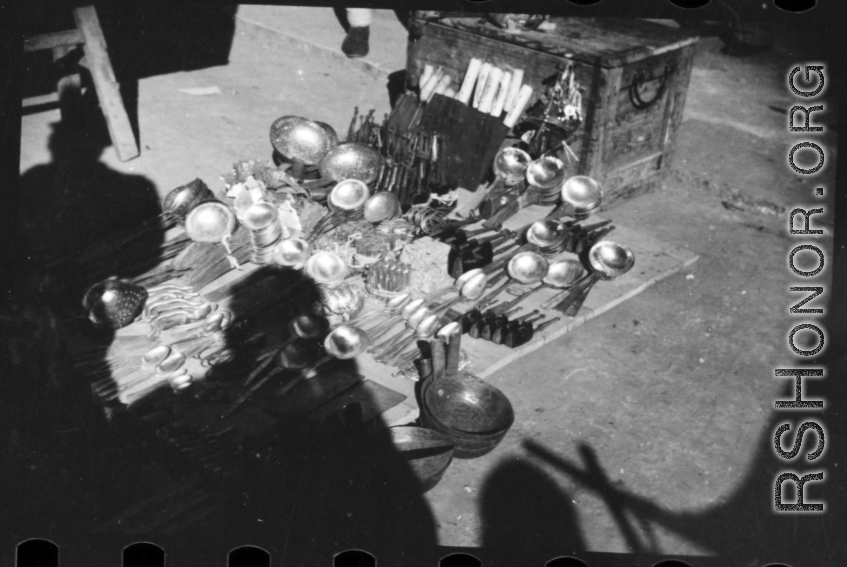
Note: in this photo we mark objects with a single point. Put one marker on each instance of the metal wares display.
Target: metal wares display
(388, 184)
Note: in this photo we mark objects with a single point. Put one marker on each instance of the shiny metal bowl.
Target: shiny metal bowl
(292, 252)
(326, 267)
(582, 192)
(563, 273)
(351, 161)
(349, 195)
(610, 258)
(546, 173)
(382, 206)
(330, 131)
(472, 412)
(427, 452)
(260, 215)
(180, 200)
(300, 139)
(346, 342)
(511, 164)
(546, 233)
(210, 221)
(527, 267)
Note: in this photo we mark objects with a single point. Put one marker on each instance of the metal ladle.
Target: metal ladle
(457, 285)
(581, 195)
(412, 323)
(307, 326)
(425, 330)
(471, 290)
(560, 275)
(343, 343)
(609, 261)
(510, 166)
(395, 317)
(289, 357)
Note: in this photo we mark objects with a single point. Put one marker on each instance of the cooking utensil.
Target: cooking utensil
(609, 261)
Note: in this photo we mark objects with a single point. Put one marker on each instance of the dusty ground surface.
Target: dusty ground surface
(648, 429)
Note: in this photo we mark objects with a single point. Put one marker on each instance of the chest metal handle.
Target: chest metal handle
(640, 78)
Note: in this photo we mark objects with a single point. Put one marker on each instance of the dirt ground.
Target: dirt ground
(648, 429)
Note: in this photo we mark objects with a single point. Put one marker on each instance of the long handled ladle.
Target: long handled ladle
(307, 326)
(609, 261)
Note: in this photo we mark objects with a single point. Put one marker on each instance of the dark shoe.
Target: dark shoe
(356, 42)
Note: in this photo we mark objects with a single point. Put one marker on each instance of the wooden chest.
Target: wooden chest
(634, 75)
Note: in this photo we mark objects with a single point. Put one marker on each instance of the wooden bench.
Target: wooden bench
(89, 35)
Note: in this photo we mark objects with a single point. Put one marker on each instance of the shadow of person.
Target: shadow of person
(716, 528)
(522, 508)
(76, 201)
(325, 475)
(303, 475)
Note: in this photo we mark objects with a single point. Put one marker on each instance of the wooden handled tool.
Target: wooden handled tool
(439, 356)
(502, 93)
(470, 80)
(490, 90)
(429, 87)
(520, 104)
(426, 74)
(514, 89)
(481, 81)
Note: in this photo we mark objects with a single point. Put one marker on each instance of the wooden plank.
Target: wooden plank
(68, 87)
(53, 40)
(105, 83)
(613, 42)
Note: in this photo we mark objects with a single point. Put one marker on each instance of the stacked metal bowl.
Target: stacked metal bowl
(547, 174)
(549, 236)
(584, 194)
(265, 231)
(348, 199)
(471, 412)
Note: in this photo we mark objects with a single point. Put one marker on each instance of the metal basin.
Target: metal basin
(300, 139)
(351, 161)
(546, 173)
(582, 192)
(610, 259)
(210, 221)
(427, 452)
(472, 412)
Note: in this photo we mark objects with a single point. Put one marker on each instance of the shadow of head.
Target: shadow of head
(85, 144)
(522, 506)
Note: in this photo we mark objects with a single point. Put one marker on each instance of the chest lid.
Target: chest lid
(609, 42)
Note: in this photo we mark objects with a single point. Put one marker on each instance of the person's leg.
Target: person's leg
(356, 42)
